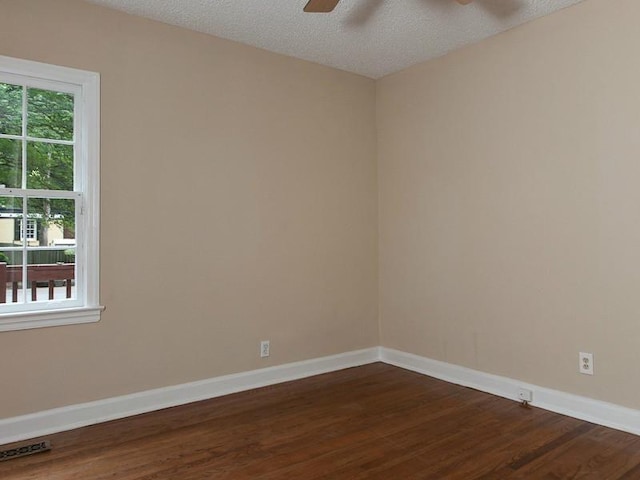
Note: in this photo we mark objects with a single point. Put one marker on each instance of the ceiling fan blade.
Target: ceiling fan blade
(320, 6)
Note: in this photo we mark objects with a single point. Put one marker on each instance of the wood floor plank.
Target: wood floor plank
(370, 422)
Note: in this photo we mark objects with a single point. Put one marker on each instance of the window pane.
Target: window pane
(49, 166)
(11, 271)
(53, 223)
(10, 163)
(51, 272)
(10, 109)
(49, 114)
(10, 260)
(11, 224)
(48, 278)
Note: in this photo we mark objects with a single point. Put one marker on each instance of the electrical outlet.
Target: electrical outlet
(265, 348)
(586, 363)
(525, 395)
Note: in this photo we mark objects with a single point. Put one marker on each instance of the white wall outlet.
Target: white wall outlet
(265, 347)
(525, 395)
(586, 363)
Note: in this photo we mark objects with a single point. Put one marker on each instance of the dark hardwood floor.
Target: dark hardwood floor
(371, 422)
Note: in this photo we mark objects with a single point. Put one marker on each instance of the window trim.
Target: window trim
(87, 180)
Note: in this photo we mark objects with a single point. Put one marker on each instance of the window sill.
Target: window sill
(49, 318)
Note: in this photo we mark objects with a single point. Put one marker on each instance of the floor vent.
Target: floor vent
(24, 450)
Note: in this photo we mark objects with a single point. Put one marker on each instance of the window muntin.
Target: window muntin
(49, 194)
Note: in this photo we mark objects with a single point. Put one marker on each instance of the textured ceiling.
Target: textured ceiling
(369, 37)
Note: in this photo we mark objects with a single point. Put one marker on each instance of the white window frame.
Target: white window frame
(85, 86)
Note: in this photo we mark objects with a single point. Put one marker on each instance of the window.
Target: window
(49, 195)
(28, 231)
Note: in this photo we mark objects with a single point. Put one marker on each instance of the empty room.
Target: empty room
(354, 239)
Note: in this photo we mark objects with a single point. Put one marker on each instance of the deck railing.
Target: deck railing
(12, 274)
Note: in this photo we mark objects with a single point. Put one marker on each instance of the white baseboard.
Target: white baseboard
(594, 411)
(74, 416)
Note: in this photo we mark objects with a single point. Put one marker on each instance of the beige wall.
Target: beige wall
(266, 163)
(510, 198)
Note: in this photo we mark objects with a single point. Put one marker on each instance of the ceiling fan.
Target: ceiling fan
(326, 6)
